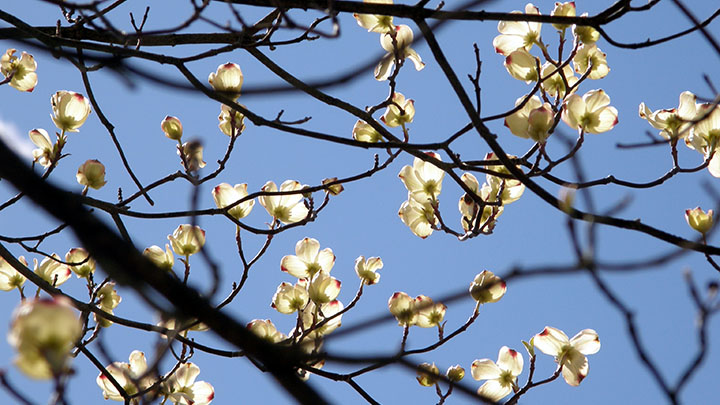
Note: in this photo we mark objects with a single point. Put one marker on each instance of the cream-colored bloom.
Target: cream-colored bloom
(672, 122)
(699, 220)
(401, 111)
(228, 79)
(43, 332)
(501, 376)
(418, 216)
(107, 300)
(290, 298)
(429, 314)
(323, 288)
(193, 155)
(163, 259)
(265, 329)
(232, 122)
(22, 70)
(70, 110)
(182, 327)
(172, 127)
(308, 259)
(333, 189)
(225, 194)
(403, 37)
(375, 23)
(423, 180)
(288, 208)
(9, 277)
(187, 239)
(591, 57)
(182, 389)
(569, 353)
(470, 210)
(52, 270)
(80, 262)
(517, 34)
(313, 315)
(512, 189)
(45, 153)
(554, 85)
(705, 136)
(487, 287)
(533, 120)
(127, 375)
(566, 9)
(402, 306)
(366, 270)
(586, 34)
(91, 174)
(590, 113)
(455, 373)
(522, 66)
(363, 132)
(427, 374)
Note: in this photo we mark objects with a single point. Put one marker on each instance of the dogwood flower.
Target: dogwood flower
(402, 306)
(427, 374)
(172, 127)
(673, 123)
(566, 9)
(9, 277)
(228, 78)
(363, 132)
(705, 136)
(191, 153)
(522, 66)
(501, 376)
(232, 122)
(401, 111)
(290, 298)
(52, 270)
(403, 37)
(554, 85)
(423, 180)
(455, 373)
(225, 194)
(323, 288)
(70, 110)
(80, 262)
(182, 389)
(375, 23)
(418, 216)
(308, 259)
(127, 375)
(313, 315)
(487, 287)
(533, 120)
(265, 329)
(333, 189)
(589, 56)
(366, 270)
(163, 259)
(43, 331)
(429, 314)
(586, 34)
(512, 189)
(517, 34)
(287, 208)
(470, 210)
(107, 299)
(20, 71)
(91, 174)
(45, 153)
(699, 220)
(590, 113)
(187, 239)
(569, 353)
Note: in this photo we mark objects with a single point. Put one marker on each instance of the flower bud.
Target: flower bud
(427, 374)
(455, 373)
(487, 287)
(403, 308)
(401, 111)
(334, 189)
(70, 110)
(586, 34)
(228, 78)
(265, 329)
(699, 220)
(163, 259)
(225, 194)
(80, 262)
(232, 123)
(172, 127)
(91, 174)
(290, 298)
(363, 132)
(193, 152)
(563, 10)
(429, 314)
(187, 239)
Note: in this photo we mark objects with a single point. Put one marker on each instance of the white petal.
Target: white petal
(485, 369)
(586, 342)
(492, 389)
(550, 340)
(511, 360)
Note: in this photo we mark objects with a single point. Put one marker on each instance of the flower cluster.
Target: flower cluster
(419, 311)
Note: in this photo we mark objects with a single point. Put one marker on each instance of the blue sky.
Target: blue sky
(363, 219)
